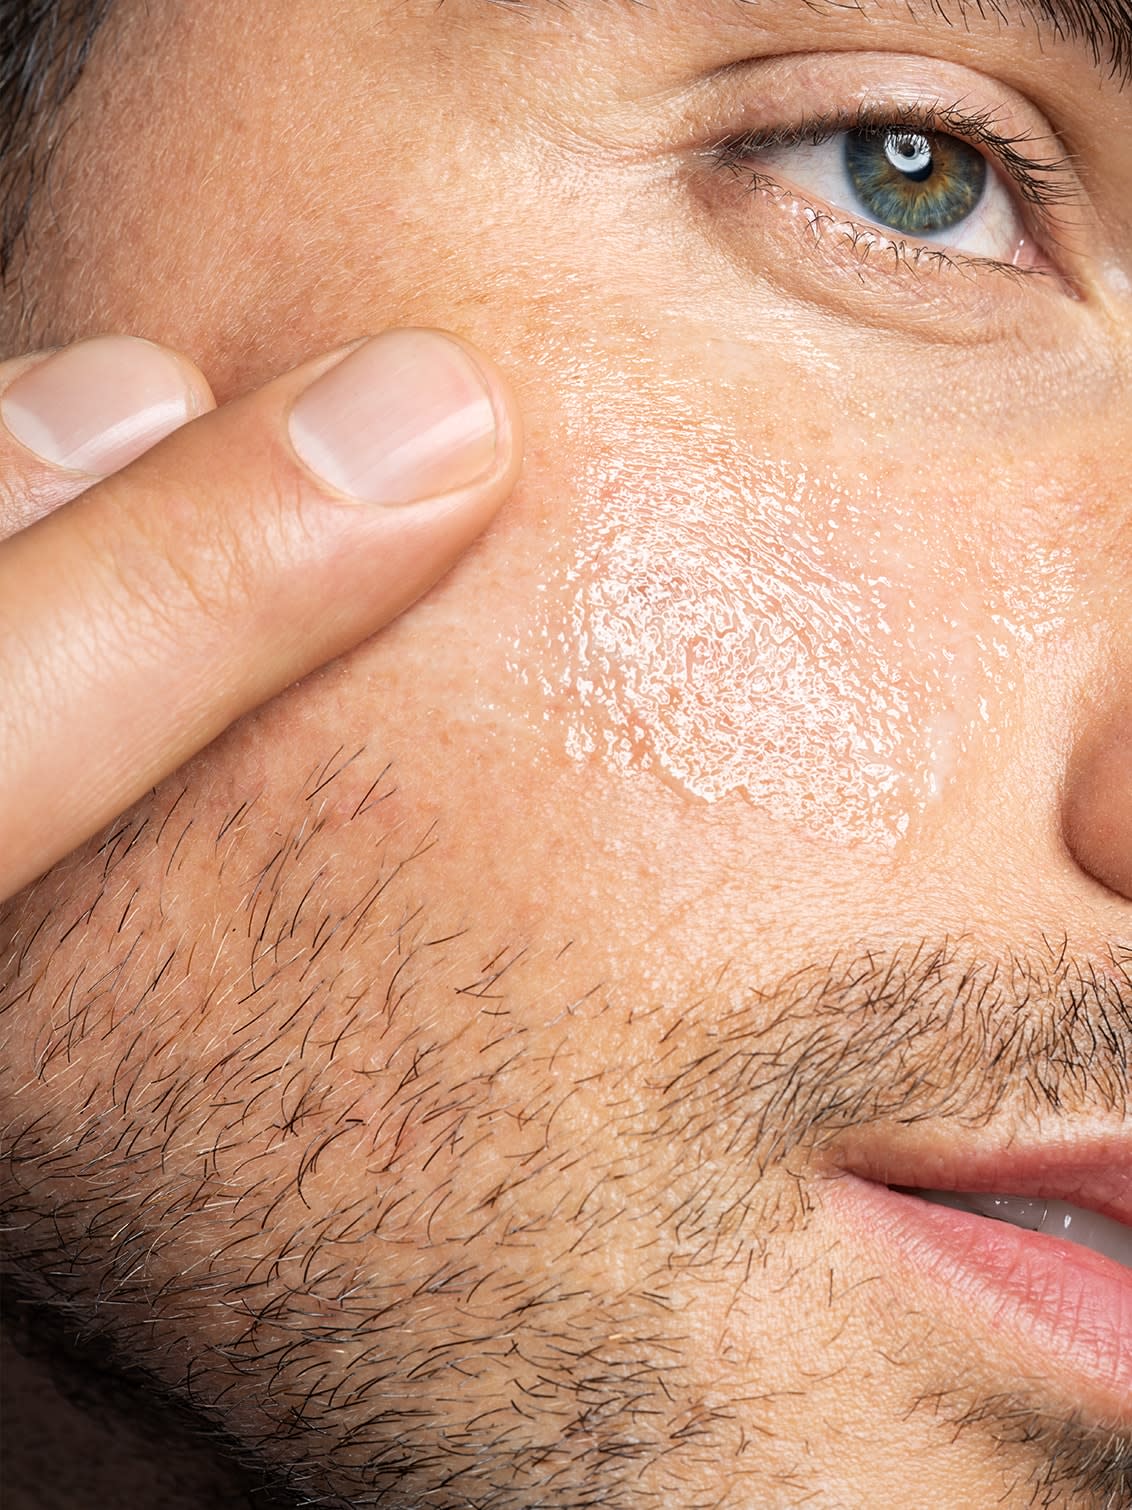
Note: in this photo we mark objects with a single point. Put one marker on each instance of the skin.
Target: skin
(444, 1079)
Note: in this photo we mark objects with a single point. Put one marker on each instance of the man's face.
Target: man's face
(478, 1075)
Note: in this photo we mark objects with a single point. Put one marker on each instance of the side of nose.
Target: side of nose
(1096, 790)
(1097, 799)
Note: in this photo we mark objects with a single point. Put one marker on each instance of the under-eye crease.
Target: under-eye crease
(909, 150)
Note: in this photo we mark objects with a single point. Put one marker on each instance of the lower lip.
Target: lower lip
(1070, 1307)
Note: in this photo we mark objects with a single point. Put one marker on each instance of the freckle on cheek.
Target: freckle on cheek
(722, 641)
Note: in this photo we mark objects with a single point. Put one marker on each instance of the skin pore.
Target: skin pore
(446, 1080)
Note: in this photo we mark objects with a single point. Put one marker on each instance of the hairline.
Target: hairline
(44, 47)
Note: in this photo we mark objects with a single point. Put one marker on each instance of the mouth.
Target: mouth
(1027, 1251)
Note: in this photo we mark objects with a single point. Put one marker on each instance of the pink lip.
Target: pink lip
(1095, 1174)
(1070, 1308)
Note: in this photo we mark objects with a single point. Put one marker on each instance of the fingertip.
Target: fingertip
(93, 407)
(409, 417)
(510, 437)
(201, 399)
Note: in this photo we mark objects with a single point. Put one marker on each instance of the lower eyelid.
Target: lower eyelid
(823, 257)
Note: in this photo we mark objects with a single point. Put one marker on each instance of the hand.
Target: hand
(167, 565)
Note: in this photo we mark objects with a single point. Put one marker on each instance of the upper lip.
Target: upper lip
(1095, 1174)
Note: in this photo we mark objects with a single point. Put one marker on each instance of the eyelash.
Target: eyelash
(1041, 183)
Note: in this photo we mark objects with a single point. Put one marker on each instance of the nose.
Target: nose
(1097, 804)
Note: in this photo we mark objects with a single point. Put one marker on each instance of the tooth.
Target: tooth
(1018, 1210)
(1088, 1229)
(1091, 1230)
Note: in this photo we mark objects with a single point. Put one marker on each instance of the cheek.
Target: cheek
(754, 630)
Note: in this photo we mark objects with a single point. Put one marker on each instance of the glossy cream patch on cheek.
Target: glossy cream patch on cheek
(738, 631)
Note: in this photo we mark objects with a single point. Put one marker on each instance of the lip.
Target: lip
(1095, 1175)
(1064, 1309)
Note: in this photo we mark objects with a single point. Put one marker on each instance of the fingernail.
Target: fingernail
(404, 418)
(96, 406)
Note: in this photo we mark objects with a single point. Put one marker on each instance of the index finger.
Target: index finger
(73, 416)
(245, 550)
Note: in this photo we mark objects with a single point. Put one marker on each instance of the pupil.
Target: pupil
(911, 155)
(917, 182)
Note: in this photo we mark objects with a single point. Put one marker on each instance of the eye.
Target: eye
(904, 178)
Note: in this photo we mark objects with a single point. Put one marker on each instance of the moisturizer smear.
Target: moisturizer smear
(745, 631)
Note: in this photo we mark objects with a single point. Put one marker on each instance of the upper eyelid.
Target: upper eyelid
(959, 99)
(1043, 180)
(975, 127)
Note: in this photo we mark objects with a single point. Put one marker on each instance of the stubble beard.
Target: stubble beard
(399, 1221)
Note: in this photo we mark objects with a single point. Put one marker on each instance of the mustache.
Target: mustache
(1076, 1463)
(933, 1032)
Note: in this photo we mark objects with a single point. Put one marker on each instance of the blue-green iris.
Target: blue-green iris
(917, 182)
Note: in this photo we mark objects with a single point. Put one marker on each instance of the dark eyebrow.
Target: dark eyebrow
(1102, 27)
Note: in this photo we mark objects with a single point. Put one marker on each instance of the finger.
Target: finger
(71, 416)
(225, 563)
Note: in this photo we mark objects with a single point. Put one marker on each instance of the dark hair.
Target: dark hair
(43, 47)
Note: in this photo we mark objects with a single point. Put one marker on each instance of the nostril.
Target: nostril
(1097, 805)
